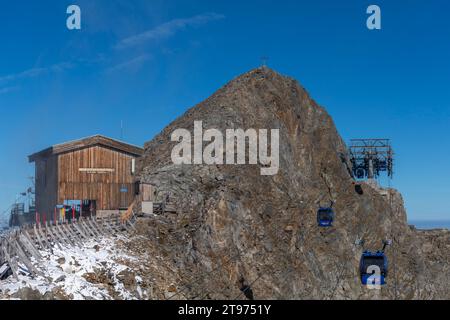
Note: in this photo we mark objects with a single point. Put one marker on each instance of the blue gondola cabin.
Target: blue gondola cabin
(325, 217)
(373, 268)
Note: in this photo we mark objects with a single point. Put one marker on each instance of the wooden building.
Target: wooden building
(98, 172)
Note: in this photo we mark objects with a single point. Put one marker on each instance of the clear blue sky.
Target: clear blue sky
(145, 62)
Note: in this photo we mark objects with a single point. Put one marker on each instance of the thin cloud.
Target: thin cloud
(134, 63)
(168, 29)
(35, 72)
(8, 90)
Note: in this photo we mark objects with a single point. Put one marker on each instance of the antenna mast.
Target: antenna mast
(264, 60)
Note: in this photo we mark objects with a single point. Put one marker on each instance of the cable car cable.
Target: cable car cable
(272, 228)
(248, 287)
(220, 266)
(201, 277)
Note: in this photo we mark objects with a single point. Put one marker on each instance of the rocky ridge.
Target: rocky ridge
(234, 225)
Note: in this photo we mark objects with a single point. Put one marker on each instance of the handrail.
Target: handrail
(129, 213)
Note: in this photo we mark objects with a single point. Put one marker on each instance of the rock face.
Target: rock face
(233, 225)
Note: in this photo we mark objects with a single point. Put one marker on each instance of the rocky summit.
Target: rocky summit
(235, 233)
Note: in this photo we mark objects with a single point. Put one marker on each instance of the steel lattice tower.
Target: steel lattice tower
(370, 157)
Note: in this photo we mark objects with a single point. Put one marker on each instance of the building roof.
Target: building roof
(85, 143)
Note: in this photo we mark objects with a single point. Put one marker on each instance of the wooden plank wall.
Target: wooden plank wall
(102, 187)
(46, 185)
(147, 192)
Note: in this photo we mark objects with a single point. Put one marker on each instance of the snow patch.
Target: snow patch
(65, 270)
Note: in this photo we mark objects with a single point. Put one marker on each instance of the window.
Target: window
(137, 185)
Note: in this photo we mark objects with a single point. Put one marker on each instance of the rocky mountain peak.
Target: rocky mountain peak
(232, 223)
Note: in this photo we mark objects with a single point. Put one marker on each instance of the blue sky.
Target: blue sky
(145, 62)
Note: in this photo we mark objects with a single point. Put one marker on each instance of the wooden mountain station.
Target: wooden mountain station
(93, 176)
(84, 189)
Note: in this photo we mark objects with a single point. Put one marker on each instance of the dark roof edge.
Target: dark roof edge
(85, 143)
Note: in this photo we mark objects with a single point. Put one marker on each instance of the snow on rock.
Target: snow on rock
(89, 272)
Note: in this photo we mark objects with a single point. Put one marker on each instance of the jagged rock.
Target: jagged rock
(231, 221)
